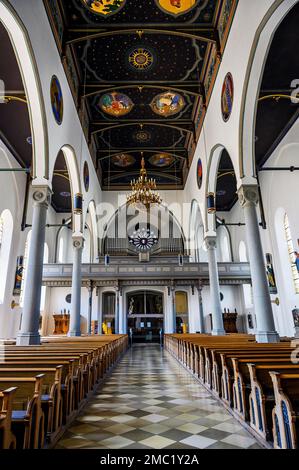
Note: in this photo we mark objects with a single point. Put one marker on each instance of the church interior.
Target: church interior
(149, 263)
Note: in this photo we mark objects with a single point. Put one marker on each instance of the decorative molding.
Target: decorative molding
(248, 195)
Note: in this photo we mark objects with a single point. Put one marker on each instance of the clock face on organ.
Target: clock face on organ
(143, 239)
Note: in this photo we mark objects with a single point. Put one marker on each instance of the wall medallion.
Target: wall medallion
(116, 104)
(178, 7)
(167, 104)
(199, 173)
(104, 7)
(56, 99)
(86, 176)
(227, 97)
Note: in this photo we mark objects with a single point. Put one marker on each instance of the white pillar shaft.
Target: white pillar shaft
(218, 328)
(262, 301)
(116, 323)
(100, 313)
(90, 291)
(201, 313)
(29, 333)
(75, 317)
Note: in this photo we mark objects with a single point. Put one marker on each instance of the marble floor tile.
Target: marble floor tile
(149, 401)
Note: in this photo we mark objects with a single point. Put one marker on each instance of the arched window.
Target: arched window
(6, 231)
(25, 261)
(292, 253)
(60, 251)
(44, 288)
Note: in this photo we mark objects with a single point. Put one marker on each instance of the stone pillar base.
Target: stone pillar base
(74, 333)
(218, 333)
(267, 337)
(28, 339)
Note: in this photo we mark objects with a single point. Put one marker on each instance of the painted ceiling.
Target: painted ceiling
(141, 74)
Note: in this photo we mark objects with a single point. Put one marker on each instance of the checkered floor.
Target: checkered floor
(151, 402)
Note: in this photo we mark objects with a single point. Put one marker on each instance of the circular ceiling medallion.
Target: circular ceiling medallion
(227, 97)
(168, 103)
(123, 160)
(199, 173)
(104, 7)
(161, 160)
(56, 99)
(141, 58)
(177, 7)
(116, 104)
(86, 176)
(142, 136)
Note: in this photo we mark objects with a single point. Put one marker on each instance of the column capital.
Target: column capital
(41, 195)
(210, 242)
(248, 194)
(78, 241)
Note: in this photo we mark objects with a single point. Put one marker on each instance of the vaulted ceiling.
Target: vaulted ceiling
(141, 74)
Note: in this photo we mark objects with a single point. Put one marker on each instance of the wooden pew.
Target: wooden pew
(7, 439)
(51, 399)
(27, 415)
(286, 410)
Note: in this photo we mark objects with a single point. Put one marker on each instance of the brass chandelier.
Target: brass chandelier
(143, 189)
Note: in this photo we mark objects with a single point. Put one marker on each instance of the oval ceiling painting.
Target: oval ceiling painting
(123, 160)
(104, 7)
(116, 104)
(177, 7)
(227, 97)
(86, 176)
(167, 104)
(199, 173)
(56, 99)
(161, 160)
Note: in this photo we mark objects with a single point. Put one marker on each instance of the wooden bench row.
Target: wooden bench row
(42, 388)
(259, 383)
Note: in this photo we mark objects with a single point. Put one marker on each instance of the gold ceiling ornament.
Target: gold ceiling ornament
(144, 190)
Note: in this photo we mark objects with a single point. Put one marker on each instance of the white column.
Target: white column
(117, 322)
(122, 314)
(75, 316)
(218, 328)
(99, 312)
(29, 334)
(90, 292)
(249, 197)
(200, 311)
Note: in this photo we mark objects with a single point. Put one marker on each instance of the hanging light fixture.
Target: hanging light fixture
(144, 189)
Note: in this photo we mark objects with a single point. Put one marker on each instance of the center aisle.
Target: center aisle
(151, 402)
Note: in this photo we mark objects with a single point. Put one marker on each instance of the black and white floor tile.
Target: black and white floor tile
(151, 402)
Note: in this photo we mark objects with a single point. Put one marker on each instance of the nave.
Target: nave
(150, 401)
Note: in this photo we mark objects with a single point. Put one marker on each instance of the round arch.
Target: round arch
(258, 56)
(75, 184)
(28, 68)
(211, 185)
(195, 223)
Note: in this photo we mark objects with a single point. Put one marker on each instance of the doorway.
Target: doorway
(145, 313)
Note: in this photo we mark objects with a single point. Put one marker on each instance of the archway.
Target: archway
(250, 97)
(23, 51)
(145, 313)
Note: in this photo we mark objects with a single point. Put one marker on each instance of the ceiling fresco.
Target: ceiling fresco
(141, 74)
